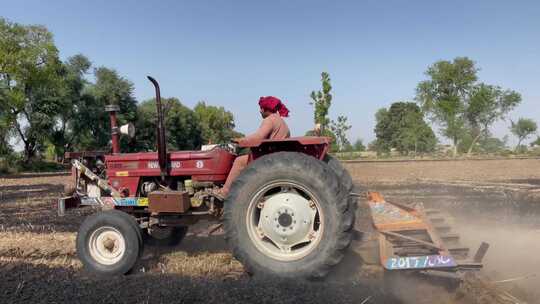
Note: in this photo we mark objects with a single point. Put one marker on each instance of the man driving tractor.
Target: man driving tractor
(273, 126)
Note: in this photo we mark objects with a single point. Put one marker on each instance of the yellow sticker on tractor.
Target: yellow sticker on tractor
(122, 173)
(143, 202)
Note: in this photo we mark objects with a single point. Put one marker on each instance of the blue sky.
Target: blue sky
(231, 52)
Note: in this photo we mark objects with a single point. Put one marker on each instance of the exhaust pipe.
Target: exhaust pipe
(161, 143)
(127, 129)
(112, 109)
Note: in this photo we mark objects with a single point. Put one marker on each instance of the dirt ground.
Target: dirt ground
(502, 170)
(493, 201)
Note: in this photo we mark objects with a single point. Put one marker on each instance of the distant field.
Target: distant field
(480, 170)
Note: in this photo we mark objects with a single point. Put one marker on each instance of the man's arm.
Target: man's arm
(263, 132)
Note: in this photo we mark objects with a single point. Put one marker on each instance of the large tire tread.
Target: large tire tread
(344, 177)
(331, 191)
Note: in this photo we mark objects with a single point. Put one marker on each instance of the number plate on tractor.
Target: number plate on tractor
(421, 262)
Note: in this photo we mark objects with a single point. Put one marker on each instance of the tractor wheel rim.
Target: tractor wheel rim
(285, 221)
(107, 245)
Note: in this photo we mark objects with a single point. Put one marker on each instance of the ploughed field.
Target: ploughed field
(493, 201)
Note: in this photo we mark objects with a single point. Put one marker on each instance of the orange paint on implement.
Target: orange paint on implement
(388, 216)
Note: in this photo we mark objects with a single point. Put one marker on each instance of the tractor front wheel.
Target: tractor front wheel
(109, 243)
(288, 215)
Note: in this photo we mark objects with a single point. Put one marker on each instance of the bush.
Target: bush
(8, 164)
(534, 151)
(505, 153)
(13, 164)
(3, 167)
(41, 166)
(522, 149)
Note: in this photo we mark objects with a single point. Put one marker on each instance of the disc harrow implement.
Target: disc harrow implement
(417, 239)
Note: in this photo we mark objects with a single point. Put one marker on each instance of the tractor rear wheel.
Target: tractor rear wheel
(343, 175)
(288, 215)
(109, 243)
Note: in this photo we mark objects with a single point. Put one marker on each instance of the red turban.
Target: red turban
(273, 104)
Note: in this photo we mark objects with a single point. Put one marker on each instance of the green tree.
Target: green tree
(340, 128)
(359, 145)
(487, 105)
(91, 124)
(523, 129)
(5, 148)
(383, 132)
(445, 93)
(31, 78)
(322, 100)
(403, 128)
(464, 108)
(63, 135)
(217, 124)
(183, 130)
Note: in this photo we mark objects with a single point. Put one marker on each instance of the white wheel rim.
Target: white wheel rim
(285, 221)
(107, 245)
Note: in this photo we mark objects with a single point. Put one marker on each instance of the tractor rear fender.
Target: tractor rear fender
(311, 145)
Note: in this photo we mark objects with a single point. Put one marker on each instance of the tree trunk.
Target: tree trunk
(29, 152)
(454, 152)
(28, 146)
(473, 143)
(518, 145)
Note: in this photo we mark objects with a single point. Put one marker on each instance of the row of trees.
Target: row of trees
(48, 105)
(453, 97)
(463, 108)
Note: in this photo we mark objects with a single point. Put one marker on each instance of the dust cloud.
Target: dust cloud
(509, 222)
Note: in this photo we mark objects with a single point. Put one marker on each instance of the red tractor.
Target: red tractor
(290, 213)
